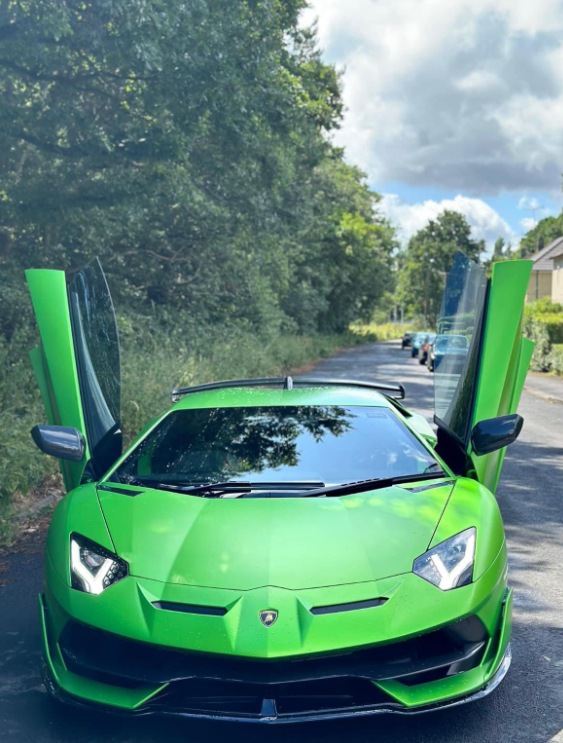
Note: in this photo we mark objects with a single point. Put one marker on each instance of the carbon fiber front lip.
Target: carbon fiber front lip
(391, 708)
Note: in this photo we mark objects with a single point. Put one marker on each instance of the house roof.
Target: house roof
(543, 259)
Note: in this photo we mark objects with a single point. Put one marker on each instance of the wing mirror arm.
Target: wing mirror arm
(60, 441)
(495, 433)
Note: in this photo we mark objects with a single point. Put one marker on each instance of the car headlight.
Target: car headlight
(450, 563)
(93, 567)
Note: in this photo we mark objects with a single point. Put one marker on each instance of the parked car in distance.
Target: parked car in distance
(417, 341)
(424, 350)
(407, 339)
(455, 347)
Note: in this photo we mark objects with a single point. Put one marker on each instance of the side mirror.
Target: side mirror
(495, 433)
(60, 441)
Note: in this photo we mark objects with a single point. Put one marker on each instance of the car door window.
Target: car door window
(96, 346)
(461, 314)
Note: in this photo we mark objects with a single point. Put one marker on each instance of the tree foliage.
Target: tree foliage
(501, 252)
(427, 260)
(185, 144)
(541, 235)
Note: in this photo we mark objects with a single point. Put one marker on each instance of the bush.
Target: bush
(545, 305)
(157, 359)
(388, 331)
(160, 351)
(556, 359)
(535, 330)
(553, 324)
(543, 324)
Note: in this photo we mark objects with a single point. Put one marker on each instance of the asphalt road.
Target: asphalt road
(527, 708)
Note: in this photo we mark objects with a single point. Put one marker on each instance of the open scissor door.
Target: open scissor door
(77, 364)
(481, 377)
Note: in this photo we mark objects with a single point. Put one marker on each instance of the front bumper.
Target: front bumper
(434, 665)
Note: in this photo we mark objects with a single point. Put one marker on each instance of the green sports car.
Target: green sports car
(278, 550)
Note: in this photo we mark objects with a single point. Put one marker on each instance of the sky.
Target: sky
(452, 104)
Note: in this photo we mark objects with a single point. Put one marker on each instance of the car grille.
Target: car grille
(256, 701)
(119, 661)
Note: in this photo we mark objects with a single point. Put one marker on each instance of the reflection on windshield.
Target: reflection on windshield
(330, 444)
(457, 345)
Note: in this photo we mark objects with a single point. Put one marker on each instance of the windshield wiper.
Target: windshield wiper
(288, 485)
(223, 487)
(183, 487)
(376, 483)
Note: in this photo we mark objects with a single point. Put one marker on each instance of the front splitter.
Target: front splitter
(269, 715)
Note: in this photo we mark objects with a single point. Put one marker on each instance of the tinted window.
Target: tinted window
(97, 354)
(461, 314)
(330, 444)
(456, 341)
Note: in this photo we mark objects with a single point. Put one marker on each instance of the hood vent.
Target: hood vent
(335, 608)
(210, 611)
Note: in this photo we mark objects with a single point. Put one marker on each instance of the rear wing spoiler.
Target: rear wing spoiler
(397, 391)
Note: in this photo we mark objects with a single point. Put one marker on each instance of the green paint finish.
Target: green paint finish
(288, 554)
(505, 357)
(79, 512)
(57, 375)
(88, 689)
(241, 397)
(471, 504)
(456, 686)
(286, 542)
(127, 609)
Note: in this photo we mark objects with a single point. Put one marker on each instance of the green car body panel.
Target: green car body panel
(243, 556)
(505, 357)
(54, 361)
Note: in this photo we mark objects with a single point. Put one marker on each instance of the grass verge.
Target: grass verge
(154, 360)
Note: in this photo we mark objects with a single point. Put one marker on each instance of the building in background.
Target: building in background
(557, 277)
(543, 279)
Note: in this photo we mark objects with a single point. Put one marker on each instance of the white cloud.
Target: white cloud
(486, 223)
(465, 95)
(528, 223)
(525, 202)
(479, 80)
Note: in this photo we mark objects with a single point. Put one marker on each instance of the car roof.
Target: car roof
(255, 397)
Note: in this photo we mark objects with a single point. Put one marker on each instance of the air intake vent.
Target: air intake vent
(353, 606)
(210, 611)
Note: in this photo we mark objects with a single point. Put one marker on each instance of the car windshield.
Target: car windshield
(326, 444)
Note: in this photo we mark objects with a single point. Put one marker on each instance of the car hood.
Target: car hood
(291, 543)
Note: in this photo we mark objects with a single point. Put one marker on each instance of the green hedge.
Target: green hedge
(388, 331)
(543, 323)
(556, 359)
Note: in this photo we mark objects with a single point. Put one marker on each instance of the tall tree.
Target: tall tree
(541, 235)
(428, 259)
(499, 247)
(184, 143)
